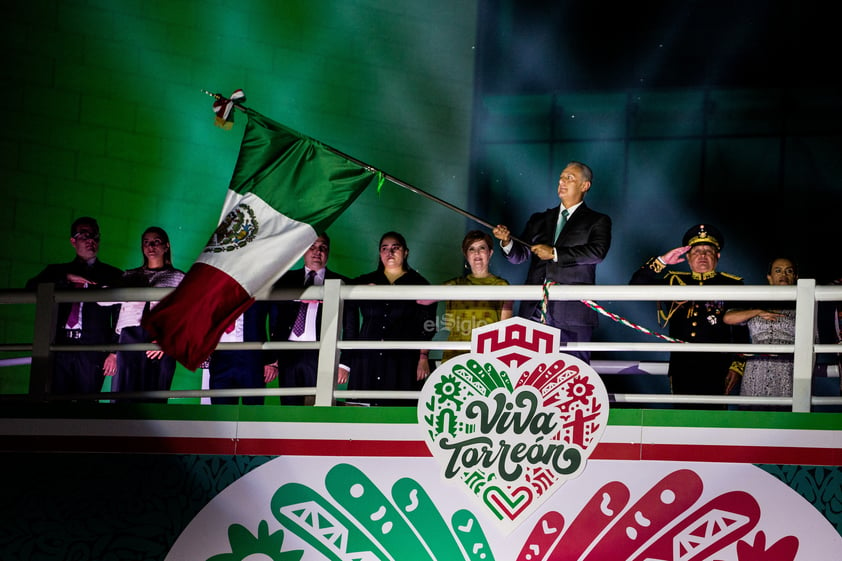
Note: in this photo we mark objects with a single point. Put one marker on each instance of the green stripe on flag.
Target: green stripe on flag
(298, 176)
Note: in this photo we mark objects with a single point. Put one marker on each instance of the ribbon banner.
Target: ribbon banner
(596, 307)
(224, 108)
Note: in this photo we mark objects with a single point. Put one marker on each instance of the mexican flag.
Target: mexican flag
(286, 189)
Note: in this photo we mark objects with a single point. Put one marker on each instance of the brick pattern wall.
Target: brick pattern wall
(104, 116)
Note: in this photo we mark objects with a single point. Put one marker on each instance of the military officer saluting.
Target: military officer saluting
(695, 321)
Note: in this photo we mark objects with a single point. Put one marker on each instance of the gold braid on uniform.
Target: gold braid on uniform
(655, 264)
(674, 278)
(738, 366)
(703, 276)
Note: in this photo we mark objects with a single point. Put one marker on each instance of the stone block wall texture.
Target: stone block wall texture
(104, 115)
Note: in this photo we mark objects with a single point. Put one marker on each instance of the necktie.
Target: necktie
(301, 318)
(562, 220)
(73, 318)
(75, 310)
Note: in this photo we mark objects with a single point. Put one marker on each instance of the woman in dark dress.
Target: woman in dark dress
(389, 320)
(137, 371)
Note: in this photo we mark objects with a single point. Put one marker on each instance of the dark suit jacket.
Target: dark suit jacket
(97, 321)
(582, 244)
(254, 329)
(282, 314)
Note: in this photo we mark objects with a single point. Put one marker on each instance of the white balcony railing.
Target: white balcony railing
(807, 295)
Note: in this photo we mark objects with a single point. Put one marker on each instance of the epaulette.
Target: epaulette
(730, 276)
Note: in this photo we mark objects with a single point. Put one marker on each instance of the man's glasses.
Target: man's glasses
(85, 236)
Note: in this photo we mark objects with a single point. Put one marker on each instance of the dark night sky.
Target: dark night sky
(570, 46)
(787, 46)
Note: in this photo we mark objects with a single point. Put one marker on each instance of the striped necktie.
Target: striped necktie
(301, 318)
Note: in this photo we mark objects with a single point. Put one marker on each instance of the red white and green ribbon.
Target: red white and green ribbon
(224, 107)
(596, 307)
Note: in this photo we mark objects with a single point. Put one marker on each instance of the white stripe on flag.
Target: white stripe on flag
(254, 243)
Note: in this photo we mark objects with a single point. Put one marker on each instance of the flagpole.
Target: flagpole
(386, 176)
(417, 191)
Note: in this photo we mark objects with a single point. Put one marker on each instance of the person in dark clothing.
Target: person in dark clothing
(301, 321)
(389, 320)
(151, 370)
(81, 323)
(696, 321)
(566, 243)
(235, 369)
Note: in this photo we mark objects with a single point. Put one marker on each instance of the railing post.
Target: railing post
(328, 348)
(44, 330)
(804, 359)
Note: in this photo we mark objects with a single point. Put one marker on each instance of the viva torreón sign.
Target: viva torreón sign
(510, 428)
(514, 419)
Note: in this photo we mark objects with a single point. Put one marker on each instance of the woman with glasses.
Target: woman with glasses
(137, 371)
(389, 320)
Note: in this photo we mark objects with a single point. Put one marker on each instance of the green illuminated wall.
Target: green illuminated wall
(104, 116)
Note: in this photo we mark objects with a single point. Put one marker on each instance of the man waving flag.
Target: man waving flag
(286, 188)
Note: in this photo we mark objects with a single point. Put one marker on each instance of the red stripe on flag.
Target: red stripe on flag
(189, 321)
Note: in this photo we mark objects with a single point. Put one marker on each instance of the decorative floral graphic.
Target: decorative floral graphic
(508, 424)
(513, 432)
(244, 544)
(609, 529)
(358, 522)
(348, 517)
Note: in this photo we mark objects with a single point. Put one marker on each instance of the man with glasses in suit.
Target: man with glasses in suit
(81, 323)
(301, 321)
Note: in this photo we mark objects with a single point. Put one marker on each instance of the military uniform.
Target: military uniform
(696, 321)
